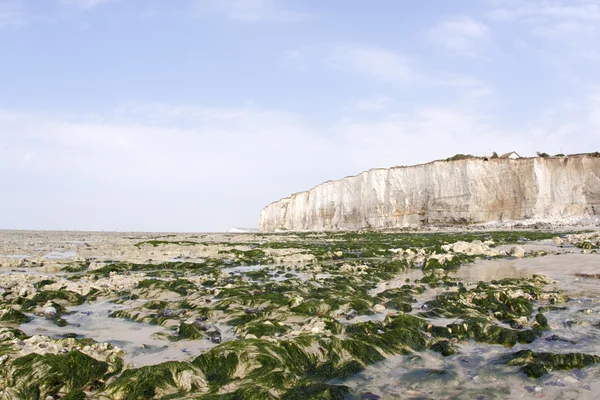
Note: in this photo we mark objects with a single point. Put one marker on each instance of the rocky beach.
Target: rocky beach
(478, 314)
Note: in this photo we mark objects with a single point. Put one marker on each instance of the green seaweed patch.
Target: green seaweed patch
(7, 334)
(399, 299)
(182, 287)
(262, 329)
(481, 330)
(506, 300)
(434, 280)
(156, 380)
(536, 365)
(40, 298)
(218, 366)
(311, 308)
(76, 394)
(156, 305)
(187, 331)
(77, 267)
(444, 347)
(13, 316)
(316, 391)
(50, 374)
(39, 285)
(209, 266)
(248, 257)
(448, 264)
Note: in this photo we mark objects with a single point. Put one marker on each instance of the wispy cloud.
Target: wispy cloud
(177, 161)
(189, 152)
(11, 13)
(392, 67)
(379, 63)
(462, 35)
(552, 18)
(379, 102)
(252, 10)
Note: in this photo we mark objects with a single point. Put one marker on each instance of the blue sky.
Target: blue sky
(192, 115)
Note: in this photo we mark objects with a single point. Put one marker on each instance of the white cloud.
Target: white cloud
(252, 10)
(379, 63)
(184, 168)
(552, 18)
(462, 35)
(392, 67)
(178, 167)
(374, 103)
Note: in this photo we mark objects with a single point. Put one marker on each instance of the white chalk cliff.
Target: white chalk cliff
(467, 191)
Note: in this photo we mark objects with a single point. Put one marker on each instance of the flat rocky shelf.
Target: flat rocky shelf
(347, 315)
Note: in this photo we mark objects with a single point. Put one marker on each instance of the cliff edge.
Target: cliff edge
(468, 191)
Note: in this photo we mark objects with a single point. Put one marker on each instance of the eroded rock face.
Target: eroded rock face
(440, 193)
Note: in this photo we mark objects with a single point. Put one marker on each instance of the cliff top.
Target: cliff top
(456, 158)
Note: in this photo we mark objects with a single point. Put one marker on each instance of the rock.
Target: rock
(351, 314)
(198, 323)
(214, 335)
(168, 313)
(517, 251)
(369, 396)
(556, 338)
(379, 308)
(27, 291)
(250, 336)
(50, 312)
(296, 301)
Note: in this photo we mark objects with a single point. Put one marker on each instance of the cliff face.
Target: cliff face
(440, 193)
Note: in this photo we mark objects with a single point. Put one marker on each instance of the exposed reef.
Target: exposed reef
(298, 316)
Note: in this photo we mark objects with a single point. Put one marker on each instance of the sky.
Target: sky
(193, 115)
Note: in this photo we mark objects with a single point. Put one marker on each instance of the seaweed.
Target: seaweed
(536, 365)
(14, 317)
(218, 366)
(316, 391)
(146, 382)
(43, 297)
(52, 373)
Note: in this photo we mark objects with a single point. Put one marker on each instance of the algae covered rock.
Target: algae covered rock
(50, 374)
(536, 365)
(159, 380)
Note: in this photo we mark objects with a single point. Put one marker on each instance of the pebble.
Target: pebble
(556, 338)
(50, 312)
(200, 325)
(379, 308)
(351, 314)
(214, 334)
(517, 251)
